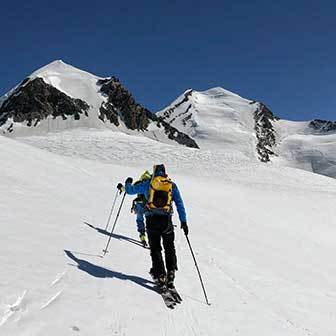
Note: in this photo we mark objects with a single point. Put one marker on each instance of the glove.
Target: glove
(129, 180)
(185, 228)
(120, 187)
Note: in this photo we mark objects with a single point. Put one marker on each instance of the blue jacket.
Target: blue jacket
(143, 188)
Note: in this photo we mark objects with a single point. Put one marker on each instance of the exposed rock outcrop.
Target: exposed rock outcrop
(122, 106)
(185, 115)
(35, 100)
(323, 125)
(266, 136)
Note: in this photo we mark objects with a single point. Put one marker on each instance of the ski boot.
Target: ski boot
(154, 277)
(171, 288)
(162, 282)
(142, 237)
(170, 279)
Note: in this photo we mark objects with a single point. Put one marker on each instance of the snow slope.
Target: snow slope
(216, 118)
(263, 236)
(300, 146)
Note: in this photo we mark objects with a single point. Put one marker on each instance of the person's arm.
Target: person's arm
(138, 188)
(179, 204)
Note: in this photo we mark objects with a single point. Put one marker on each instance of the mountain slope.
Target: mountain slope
(263, 238)
(307, 145)
(221, 120)
(59, 96)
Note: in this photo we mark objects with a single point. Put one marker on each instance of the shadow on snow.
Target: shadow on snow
(101, 272)
(114, 235)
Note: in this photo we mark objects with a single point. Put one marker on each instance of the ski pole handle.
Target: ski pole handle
(120, 187)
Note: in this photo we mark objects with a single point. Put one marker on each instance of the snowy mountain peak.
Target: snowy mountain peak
(223, 121)
(215, 118)
(56, 66)
(70, 80)
(59, 96)
(218, 93)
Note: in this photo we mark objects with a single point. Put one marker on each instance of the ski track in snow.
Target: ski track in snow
(51, 300)
(28, 306)
(266, 305)
(58, 278)
(13, 309)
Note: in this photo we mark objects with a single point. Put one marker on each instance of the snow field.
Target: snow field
(264, 239)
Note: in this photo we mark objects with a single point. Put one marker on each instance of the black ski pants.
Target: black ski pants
(161, 227)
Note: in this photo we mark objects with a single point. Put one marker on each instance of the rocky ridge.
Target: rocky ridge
(34, 100)
(323, 125)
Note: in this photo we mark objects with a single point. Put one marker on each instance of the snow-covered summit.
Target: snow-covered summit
(222, 120)
(72, 81)
(215, 118)
(203, 114)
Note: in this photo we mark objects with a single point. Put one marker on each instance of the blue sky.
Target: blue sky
(282, 53)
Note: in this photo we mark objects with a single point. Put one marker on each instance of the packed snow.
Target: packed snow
(264, 238)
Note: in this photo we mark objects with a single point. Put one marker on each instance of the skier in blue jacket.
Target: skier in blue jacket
(159, 193)
(138, 207)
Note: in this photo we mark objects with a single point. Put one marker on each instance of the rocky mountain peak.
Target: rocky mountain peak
(59, 90)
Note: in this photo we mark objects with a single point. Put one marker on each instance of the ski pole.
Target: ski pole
(114, 202)
(114, 224)
(198, 271)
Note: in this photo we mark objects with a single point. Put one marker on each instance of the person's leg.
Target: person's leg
(168, 238)
(139, 210)
(154, 240)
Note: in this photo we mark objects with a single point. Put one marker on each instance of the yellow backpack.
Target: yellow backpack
(160, 194)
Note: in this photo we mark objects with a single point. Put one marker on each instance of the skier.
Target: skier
(138, 207)
(160, 191)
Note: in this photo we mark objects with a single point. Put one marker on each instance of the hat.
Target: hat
(159, 170)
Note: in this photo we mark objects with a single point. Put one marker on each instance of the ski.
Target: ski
(167, 297)
(175, 295)
(170, 296)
